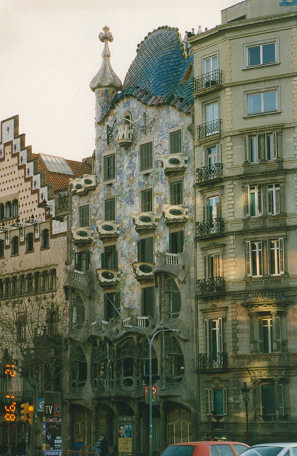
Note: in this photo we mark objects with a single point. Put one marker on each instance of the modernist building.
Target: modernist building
(245, 91)
(132, 271)
(33, 251)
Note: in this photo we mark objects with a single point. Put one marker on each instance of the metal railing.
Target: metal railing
(209, 128)
(210, 227)
(208, 173)
(213, 79)
(212, 361)
(213, 286)
(79, 275)
(142, 322)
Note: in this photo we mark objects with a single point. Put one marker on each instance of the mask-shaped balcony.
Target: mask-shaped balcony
(173, 163)
(175, 213)
(82, 235)
(107, 230)
(145, 221)
(143, 271)
(107, 277)
(83, 185)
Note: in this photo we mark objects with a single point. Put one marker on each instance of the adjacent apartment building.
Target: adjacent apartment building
(132, 272)
(245, 90)
(34, 208)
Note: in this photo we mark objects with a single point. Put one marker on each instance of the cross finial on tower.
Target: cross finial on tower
(106, 35)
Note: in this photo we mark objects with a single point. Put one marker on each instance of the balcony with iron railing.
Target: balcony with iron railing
(214, 286)
(209, 174)
(210, 228)
(209, 129)
(212, 361)
(208, 82)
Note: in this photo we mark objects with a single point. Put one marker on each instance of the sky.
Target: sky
(50, 51)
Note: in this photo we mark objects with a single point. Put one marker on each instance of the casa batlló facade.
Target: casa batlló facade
(132, 271)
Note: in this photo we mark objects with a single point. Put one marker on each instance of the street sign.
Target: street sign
(155, 397)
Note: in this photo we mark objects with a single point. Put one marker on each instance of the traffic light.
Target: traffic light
(27, 412)
(31, 413)
(24, 411)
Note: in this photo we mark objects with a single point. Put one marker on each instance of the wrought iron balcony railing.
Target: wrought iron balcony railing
(212, 361)
(209, 128)
(208, 173)
(211, 287)
(213, 80)
(210, 227)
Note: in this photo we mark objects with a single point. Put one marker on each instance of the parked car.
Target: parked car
(213, 448)
(272, 449)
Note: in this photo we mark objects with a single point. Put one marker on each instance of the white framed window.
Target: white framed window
(254, 258)
(211, 111)
(212, 155)
(253, 206)
(210, 63)
(276, 257)
(265, 53)
(212, 208)
(213, 331)
(216, 401)
(273, 199)
(212, 265)
(262, 102)
(261, 147)
(271, 149)
(252, 155)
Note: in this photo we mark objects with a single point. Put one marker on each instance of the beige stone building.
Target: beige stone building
(245, 90)
(33, 252)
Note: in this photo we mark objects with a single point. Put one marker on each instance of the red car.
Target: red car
(215, 448)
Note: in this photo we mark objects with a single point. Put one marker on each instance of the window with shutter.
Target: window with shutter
(109, 209)
(176, 242)
(84, 216)
(176, 192)
(268, 409)
(147, 200)
(146, 156)
(109, 259)
(271, 146)
(111, 305)
(148, 301)
(109, 167)
(145, 250)
(175, 142)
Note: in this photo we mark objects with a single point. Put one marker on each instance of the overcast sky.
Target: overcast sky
(49, 52)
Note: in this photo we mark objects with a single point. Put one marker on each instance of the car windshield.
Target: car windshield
(263, 451)
(239, 448)
(179, 450)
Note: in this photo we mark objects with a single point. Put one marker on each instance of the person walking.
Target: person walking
(104, 445)
(97, 447)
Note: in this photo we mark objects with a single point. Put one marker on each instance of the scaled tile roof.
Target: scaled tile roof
(161, 72)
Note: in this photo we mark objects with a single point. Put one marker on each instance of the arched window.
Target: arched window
(1, 248)
(126, 363)
(15, 245)
(102, 372)
(43, 281)
(14, 286)
(45, 238)
(52, 280)
(29, 280)
(77, 311)
(29, 242)
(15, 208)
(172, 299)
(174, 360)
(78, 367)
(8, 210)
(36, 282)
(6, 287)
